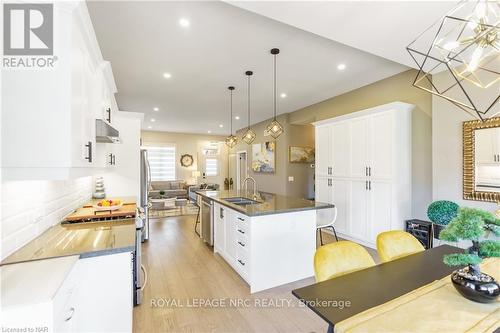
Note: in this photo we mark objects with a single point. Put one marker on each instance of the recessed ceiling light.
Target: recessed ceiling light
(150, 127)
(221, 125)
(209, 131)
(184, 22)
(167, 75)
(153, 120)
(341, 67)
(237, 117)
(283, 95)
(156, 109)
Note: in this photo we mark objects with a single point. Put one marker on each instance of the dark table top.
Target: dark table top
(376, 285)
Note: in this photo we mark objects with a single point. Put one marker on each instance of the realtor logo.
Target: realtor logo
(28, 29)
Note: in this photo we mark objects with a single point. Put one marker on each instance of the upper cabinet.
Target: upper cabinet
(49, 116)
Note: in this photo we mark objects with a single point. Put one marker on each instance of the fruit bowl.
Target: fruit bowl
(108, 204)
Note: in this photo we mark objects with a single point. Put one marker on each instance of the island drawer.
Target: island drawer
(240, 218)
(242, 242)
(241, 228)
(242, 261)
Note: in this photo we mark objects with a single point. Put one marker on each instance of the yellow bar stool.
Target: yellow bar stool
(340, 258)
(397, 244)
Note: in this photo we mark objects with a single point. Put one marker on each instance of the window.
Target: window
(162, 162)
(211, 167)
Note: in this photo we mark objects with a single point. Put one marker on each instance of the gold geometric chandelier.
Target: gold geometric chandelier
(274, 128)
(464, 49)
(249, 135)
(231, 140)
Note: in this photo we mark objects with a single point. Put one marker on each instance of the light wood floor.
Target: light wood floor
(181, 269)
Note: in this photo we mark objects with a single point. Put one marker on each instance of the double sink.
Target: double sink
(241, 201)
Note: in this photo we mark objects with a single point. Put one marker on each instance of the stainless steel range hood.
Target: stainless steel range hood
(106, 133)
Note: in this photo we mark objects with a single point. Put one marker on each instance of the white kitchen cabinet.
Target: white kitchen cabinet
(323, 152)
(372, 190)
(487, 146)
(55, 108)
(268, 250)
(79, 295)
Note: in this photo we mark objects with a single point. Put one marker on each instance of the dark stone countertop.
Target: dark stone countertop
(269, 203)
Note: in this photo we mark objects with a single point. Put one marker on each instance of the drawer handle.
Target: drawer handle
(241, 231)
(242, 244)
(239, 218)
(241, 262)
(71, 313)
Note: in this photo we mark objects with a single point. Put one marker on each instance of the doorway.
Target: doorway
(241, 168)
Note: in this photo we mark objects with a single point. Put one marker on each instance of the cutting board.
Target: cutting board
(88, 212)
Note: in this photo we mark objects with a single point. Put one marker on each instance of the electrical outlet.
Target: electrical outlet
(291, 179)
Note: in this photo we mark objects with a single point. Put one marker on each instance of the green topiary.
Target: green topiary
(442, 211)
(472, 224)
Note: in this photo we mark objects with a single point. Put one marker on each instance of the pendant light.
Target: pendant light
(274, 128)
(231, 140)
(249, 135)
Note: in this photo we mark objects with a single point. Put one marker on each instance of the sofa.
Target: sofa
(194, 188)
(168, 189)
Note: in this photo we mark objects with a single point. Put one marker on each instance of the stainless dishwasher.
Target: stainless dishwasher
(207, 221)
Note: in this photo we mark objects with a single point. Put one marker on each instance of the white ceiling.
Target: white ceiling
(142, 40)
(383, 28)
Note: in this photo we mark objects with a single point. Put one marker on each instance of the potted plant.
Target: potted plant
(474, 225)
(441, 213)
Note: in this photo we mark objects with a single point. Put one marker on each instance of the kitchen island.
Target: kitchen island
(268, 239)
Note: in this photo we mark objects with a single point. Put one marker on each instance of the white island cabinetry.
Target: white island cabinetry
(266, 250)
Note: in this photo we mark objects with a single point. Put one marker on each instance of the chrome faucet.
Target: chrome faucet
(245, 185)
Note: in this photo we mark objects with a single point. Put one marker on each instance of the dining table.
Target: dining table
(342, 297)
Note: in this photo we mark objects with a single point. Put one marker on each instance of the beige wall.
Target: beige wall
(300, 135)
(396, 88)
(191, 144)
(447, 149)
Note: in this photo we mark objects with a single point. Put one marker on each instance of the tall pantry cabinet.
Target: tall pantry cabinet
(363, 166)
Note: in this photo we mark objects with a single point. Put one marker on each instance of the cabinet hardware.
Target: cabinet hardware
(71, 313)
(143, 269)
(239, 218)
(111, 159)
(221, 213)
(241, 262)
(108, 110)
(242, 244)
(114, 159)
(366, 185)
(89, 147)
(369, 171)
(369, 185)
(241, 231)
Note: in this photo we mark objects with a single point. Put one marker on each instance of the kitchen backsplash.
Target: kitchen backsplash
(28, 208)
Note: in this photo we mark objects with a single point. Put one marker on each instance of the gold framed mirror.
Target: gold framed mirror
(481, 161)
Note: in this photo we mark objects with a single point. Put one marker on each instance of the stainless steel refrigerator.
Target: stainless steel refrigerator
(145, 184)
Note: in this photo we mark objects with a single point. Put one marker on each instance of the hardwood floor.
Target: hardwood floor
(183, 270)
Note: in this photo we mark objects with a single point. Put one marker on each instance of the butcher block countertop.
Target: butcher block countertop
(87, 239)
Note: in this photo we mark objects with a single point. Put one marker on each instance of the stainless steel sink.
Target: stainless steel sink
(241, 201)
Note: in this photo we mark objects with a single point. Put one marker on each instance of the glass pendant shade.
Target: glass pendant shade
(275, 129)
(459, 58)
(231, 141)
(249, 136)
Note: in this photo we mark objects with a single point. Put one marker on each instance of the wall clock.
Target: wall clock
(186, 160)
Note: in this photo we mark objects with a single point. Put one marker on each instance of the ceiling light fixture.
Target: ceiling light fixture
(249, 135)
(464, 44)
(167, 75)
(237, 117)
(341, 67)
(150, 127)
(184, 22)
(283, 95)
(153, 120)
(231, 140)
(274, 128)
(221, 125)
(209, 131)
(156, 109)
